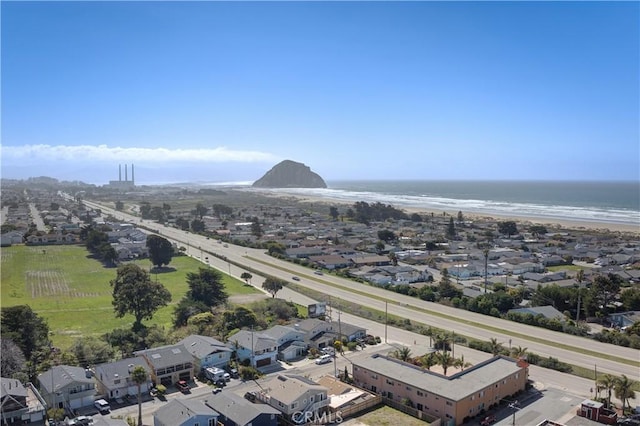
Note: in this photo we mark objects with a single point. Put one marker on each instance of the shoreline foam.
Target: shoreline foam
(563, 223)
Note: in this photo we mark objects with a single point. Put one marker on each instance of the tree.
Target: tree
(451, 229)
(333, 212)
(519, 352)
(630, 299)
(12, 360)
(160, 250)
(197, 225)
(602, 291)
(91, 350)
(495, 347)
(429, 360)
(134, 293)
(273, 285)
(200, 210)
(256, 228)
(387, 235)
(206, 286)
(246, 276)
(445, 360)
(403, 353)
(607, 382)
(460, 217)
(623, 389)
(139, 377)
(338, 346)
(25, 328)
(185, 309)
(119, 205)
(507, 227)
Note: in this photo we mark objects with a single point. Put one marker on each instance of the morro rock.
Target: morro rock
(289, 174)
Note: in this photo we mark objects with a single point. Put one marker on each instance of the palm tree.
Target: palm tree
(623, 390)
(460, 363)
(139, 376)
(607, 382)
(430, 332)
(519, 352)
(403, 354)
(445, 360)
(495, 347)
(429, 360)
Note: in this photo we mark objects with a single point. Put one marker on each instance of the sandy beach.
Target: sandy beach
(557, 224)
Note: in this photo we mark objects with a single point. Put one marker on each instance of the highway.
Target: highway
(537, 340)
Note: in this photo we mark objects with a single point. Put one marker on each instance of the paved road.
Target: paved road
(459, 321)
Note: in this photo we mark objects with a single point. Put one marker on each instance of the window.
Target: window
(419, 407)
(212, 422)
(473, 397)
(449, 403)
(389, 382)
(481, 394)
(420, 393)
(355, 368)
(196, 424)
(116, 382)
(517, 374)
(374, 376)
(294, 405)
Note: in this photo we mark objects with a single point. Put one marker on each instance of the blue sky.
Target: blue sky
(222, 91)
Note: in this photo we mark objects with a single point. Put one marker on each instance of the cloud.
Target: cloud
(139, 155)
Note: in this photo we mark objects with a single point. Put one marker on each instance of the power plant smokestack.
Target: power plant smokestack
(120, 172)
(132, 179)
(125, 173)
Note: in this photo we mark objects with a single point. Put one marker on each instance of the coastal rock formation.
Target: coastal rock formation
(289, 174)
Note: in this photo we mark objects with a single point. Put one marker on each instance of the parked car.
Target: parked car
(317, 272)
(102, 406)
(324, 359)
(183, 386)
(295, 278)
(80, 421)
(489, 420)
(216, 390)
(250, 396)
(233, 372)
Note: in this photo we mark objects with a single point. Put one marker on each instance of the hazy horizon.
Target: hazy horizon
(223, 91)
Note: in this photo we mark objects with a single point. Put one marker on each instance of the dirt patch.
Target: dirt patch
(243, 299)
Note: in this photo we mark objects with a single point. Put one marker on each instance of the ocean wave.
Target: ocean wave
(485, 207)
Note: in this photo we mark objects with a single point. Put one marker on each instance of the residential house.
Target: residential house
(261, 349)
(12, 237)
(454, 399)
(348, 331)
(548, 311)
(185, 412)
(169, 364)
(371, 260)
(624, 319)
(314, 328)
(207, 351)
(113, 379)
(290, 341)
(68, 387)
(19, 403)
(296, 397)
(234, 410)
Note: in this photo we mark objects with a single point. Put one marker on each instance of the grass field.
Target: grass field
(68, 288)
(385, 416)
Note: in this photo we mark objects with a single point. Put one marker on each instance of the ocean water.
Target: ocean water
(606, 202)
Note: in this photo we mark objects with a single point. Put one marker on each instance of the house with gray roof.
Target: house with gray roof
(234, 410)
(207, 351)
(113, 379)
(20, 403)
(169, 364)
(258, 347)
(547, 311)
(294, 396)
(290, 341)
(68, 387)
(185, 412)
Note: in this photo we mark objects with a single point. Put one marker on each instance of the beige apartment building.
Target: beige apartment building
(455, 398)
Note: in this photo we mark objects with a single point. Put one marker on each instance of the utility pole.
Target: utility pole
(385, 321)
(486, 262)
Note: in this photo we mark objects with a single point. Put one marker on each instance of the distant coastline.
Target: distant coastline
(588, 205)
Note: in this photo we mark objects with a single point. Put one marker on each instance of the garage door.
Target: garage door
(263, 362)
(185, 376)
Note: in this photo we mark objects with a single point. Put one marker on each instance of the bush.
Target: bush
(162, 389)
(352, 346)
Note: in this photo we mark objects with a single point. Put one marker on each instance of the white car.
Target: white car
(324, 359)
(102, 406)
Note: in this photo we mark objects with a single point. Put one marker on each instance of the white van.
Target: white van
(102, 406)
(324, 359)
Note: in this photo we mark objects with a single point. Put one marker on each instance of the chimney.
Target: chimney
(132, 180)
(120, 172)
(125, 173)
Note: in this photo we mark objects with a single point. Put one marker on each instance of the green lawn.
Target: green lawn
(72, 291)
